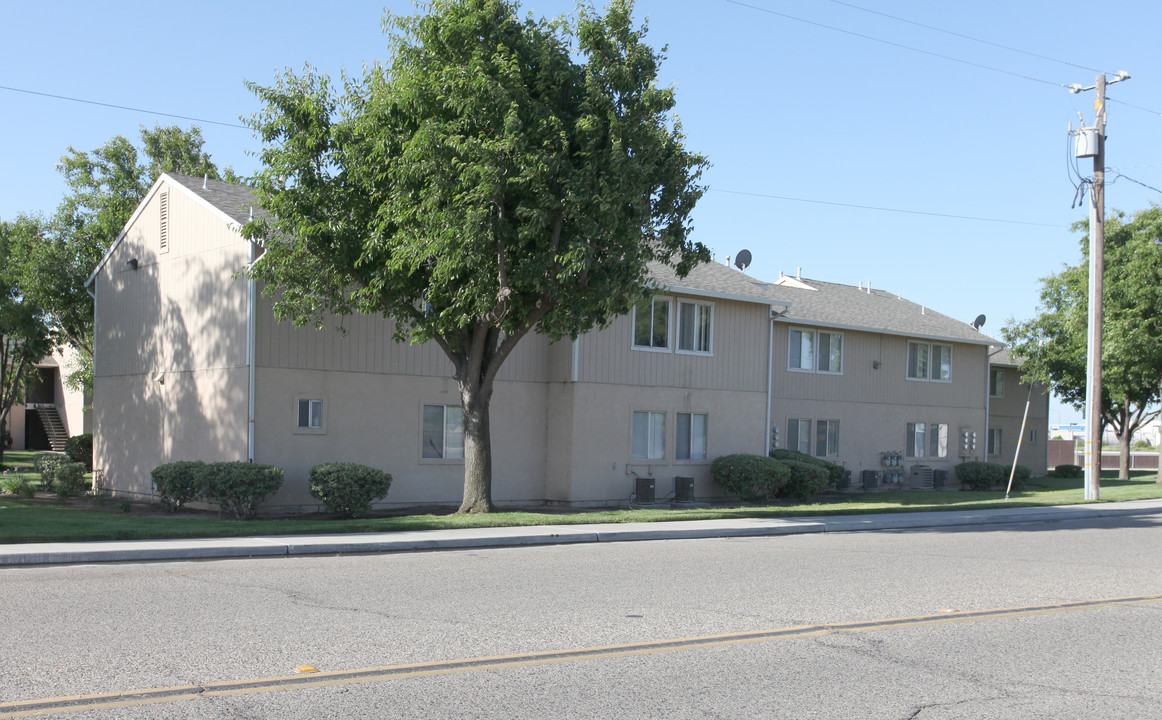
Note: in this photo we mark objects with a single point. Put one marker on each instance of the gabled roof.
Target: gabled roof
(232, 203)
(824, 304)
(716, 280)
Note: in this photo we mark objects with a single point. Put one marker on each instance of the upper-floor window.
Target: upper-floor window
(651, 324)
(929, 361)
(694, 324)
(996, 383)
(815, 351)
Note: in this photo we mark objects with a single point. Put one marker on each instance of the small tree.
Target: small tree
(500, 175)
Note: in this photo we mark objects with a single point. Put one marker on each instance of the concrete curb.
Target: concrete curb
(299, 545)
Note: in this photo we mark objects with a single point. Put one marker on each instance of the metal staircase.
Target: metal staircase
(54, 427)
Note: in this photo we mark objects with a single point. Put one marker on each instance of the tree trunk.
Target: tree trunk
(476, 401)
(1124, 453)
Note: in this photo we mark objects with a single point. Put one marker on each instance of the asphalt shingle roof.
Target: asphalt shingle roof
(234, 200)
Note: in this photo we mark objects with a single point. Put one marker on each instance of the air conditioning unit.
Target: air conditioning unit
(871, 479)
(683, 489)
(643, 491)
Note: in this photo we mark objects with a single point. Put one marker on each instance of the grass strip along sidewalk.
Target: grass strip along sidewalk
(45, 519)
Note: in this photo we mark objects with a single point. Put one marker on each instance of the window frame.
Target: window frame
(934, 436)
(443, 457)
(689, 448)
(652, 435)
(698, 306)
(654, 300)
(997, 446)
(808, 442)
(310, 429)
(996, 382)
(930, 364)
(799, 436)
(816, 354)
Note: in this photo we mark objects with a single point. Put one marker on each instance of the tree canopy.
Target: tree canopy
(104, 187)
(25, 333)
(1132, 327)
(498, 175)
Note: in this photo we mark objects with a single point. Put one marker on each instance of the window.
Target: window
(926, 440)
(651, 324)
(996, 383)
(799, 435)
(694, 323)
(995, 442)
(826, 437)
(691, 436)
(815, 351)
(1033, 436)
(649, 436)
(310, 414)
(929, 361)
(443, 432)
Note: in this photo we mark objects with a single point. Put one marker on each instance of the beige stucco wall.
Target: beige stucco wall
(376, 419)
(170, 372)
(1006, 413)
(146, 420)
(591, 438)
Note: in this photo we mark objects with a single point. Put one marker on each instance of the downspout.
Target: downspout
(251, 331)
(775, 315)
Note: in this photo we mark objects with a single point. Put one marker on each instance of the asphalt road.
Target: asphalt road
(997, 622)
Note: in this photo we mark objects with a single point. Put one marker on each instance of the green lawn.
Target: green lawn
(47, 520)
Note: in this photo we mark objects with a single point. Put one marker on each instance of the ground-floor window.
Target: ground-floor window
(826, 436)
(443, 432)
(995, 441)
(649, 436)
(926, 440)
(691, 436)
(309, 418)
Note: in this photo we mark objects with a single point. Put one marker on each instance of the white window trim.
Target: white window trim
(444, 437)
(907, 352)
(670, 339)
(678, 327)
(322, 429)
(815, 354)
(931, 451)
(692, 461)
(666, 440)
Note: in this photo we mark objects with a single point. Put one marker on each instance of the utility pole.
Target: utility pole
(1093, 366)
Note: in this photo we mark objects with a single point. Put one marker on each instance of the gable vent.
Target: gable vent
(164, 241)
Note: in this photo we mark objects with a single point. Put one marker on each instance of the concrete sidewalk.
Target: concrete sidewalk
(285, 545)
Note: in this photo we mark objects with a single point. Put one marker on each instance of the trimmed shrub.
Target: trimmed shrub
(1067, 471)
(239, 486)
(178, 482)
(1021, 476)
(753, 478)
(348, 488)
(977, 475)
(70, 479)
(806, 480)
(47, 464)
(79, 448)
(834, 470)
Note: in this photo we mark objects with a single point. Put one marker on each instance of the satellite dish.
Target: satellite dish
(978, 323)
(742, 260)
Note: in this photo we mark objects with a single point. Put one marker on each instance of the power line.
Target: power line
(966, 37)
(898, 45)
(122, 107)
(1136, 107)
(885, 209)
(1127, 177)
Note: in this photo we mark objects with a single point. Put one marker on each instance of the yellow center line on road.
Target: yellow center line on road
(60, 705)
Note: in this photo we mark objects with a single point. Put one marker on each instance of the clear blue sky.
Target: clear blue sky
(793, 115)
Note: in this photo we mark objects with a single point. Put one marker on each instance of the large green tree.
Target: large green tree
(1132, 327)
(104, 187)
(499, 175)
(25, 333)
